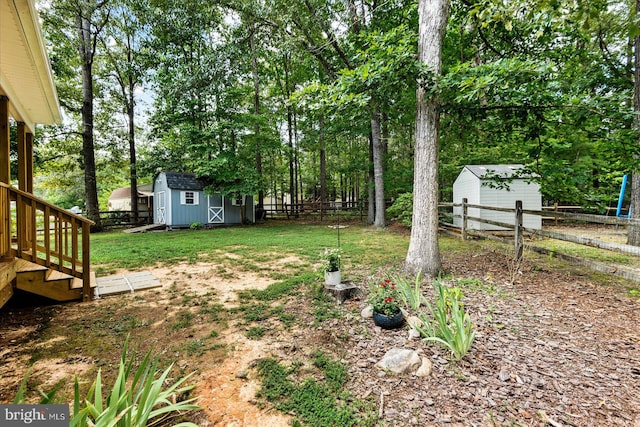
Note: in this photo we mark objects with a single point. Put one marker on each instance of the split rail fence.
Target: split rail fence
(517, 230)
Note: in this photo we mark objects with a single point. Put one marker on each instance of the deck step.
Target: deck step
(51, 275)
(22, 266)
(7, 274)
(40, 280)
(76, 283)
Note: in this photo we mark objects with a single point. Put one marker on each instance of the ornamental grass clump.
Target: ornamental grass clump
(452, 327)
(444, 322)
(385, 298)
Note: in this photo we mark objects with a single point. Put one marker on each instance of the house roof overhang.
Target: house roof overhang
(25, 74)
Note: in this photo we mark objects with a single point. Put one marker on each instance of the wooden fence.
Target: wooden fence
(313, 209)
(517, 229)
(125, 218)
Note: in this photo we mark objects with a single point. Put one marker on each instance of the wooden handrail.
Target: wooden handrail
(45, 234)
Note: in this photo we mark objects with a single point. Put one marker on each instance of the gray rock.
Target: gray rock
(399, 361)
(413, 334)
(367, 312)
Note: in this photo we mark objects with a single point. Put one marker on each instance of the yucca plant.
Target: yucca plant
(141, 401)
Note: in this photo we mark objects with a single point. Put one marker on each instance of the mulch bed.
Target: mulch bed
(551, 349)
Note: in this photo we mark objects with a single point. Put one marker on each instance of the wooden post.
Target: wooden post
(23, 181)
(518, 230)
(5, 222)
(87, 291)
(22, 156)
(464, 218)
(555, 209)
(5, 144)
(29, 152)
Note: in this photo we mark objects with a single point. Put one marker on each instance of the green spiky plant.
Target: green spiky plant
(138, 401)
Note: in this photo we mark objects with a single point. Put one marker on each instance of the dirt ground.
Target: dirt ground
(555, 347)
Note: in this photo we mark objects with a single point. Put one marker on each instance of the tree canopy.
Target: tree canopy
(297, 101)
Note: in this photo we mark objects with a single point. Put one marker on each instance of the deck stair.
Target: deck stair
(44, 249)
(40, 280)
(7, 275)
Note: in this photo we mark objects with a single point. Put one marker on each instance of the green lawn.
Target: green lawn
(362, 247)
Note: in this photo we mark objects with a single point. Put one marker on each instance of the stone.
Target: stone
(367, 312)
(413, 334)
(414, 322)
(425, 368)
(399, 361)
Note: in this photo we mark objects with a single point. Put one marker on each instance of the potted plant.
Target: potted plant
(384, 298)
(331, 259)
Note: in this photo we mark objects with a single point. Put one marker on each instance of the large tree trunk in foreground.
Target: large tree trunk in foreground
(424, 255)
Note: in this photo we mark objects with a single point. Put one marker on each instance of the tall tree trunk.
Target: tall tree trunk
(296, 163)
(323, 169)
(88, 152)
(633, 231)
(423, 255)
(371, 201)
(132, 153)
(378, 168)
(256, 111)
(287, 85)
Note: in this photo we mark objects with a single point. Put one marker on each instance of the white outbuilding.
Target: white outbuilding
(498, 186)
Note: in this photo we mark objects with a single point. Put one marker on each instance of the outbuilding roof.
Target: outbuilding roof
(499, 171)
(183, 181)
(125, 192)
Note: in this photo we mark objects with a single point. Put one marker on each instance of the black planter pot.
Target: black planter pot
(388, 322)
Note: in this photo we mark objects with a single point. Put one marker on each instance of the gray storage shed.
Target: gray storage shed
(500, 186)
(179, 201)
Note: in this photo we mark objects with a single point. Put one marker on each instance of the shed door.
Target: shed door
(215, 209)
(161, 209)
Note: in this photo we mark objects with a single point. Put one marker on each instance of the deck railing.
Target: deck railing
(42, 233)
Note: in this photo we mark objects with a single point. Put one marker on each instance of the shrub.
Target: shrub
(402, 209)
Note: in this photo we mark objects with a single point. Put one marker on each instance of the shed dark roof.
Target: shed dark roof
(183, 181)
(498, 171)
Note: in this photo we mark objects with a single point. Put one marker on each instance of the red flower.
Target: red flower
(388, 299)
